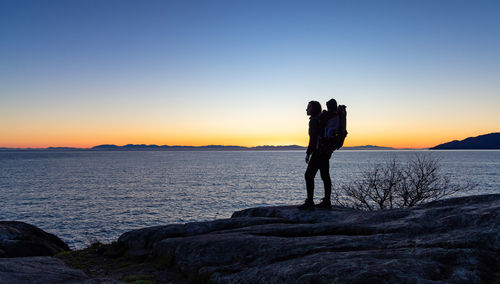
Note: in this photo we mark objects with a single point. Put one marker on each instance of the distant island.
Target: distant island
(486, 142)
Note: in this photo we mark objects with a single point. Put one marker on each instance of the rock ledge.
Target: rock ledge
(455, 240)
(450, 241)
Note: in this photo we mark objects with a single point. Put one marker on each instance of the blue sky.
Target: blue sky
(412, 73)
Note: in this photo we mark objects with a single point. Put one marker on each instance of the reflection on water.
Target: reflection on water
(83, 195)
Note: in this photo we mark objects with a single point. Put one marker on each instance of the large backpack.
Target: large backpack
(334, 132)
(341, 135)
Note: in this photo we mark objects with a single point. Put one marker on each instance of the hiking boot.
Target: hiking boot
(324, 204)
(308, 205)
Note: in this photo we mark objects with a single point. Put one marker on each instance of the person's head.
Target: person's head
(313, 108)
(331, 105)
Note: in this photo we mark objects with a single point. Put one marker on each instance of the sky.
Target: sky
(413, 74)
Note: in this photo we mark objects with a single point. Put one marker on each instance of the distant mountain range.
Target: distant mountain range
(487, 141)
(367, 147)
(220, 147)
(208, 147)
(144, 147)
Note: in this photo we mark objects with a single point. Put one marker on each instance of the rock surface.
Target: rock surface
(19, 239)
(38, 269)
(44, 269)
(455, 240)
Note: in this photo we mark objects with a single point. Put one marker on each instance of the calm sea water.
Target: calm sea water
(83, 196)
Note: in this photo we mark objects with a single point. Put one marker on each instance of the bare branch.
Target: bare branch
(397, 185)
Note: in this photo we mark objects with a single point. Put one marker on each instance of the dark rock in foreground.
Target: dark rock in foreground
(455, 240)
(450, 241)
(38, 269)
(43, 269)
(19, 239)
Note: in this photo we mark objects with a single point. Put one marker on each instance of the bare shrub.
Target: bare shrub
(397, 185)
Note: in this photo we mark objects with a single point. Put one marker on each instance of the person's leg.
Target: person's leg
(324, 168)
(312, 169)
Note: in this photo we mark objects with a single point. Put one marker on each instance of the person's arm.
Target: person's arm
(313, 137)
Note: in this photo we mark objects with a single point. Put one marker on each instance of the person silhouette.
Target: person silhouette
(315, 159)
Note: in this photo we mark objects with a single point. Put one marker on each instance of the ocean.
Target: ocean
(88, 196)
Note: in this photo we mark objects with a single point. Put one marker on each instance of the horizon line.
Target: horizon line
(191, 146)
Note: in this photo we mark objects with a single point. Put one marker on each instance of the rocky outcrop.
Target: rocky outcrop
(19, 239)
(451, 241)
(455, 240)
(38, 269)
(44, 269)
